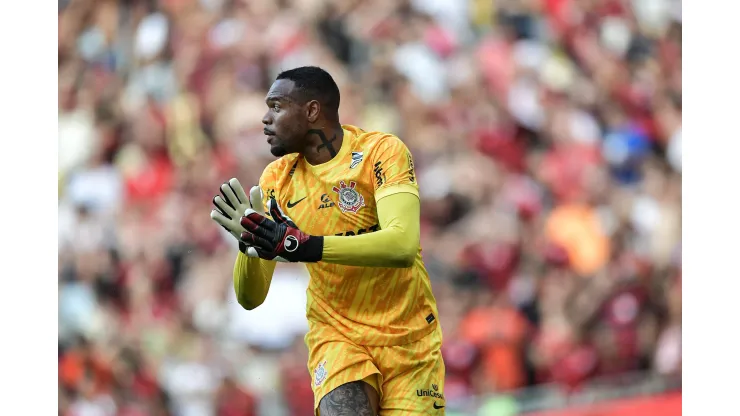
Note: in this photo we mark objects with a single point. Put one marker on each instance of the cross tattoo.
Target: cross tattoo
(324, 141)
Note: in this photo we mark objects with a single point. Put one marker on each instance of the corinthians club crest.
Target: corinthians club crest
(349, 199)
(319, 374)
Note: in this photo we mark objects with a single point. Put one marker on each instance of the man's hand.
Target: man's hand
(278, 239)
(232, 205)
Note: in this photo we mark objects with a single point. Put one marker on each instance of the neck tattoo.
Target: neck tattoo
(325, 143)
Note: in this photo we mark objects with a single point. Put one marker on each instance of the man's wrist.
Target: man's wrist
(313, 249)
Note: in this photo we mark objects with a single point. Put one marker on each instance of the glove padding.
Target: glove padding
(232, 205)
(279, 239)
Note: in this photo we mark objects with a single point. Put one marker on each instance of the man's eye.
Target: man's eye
(276, 107)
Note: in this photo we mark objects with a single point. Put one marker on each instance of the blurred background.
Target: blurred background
(547, 139)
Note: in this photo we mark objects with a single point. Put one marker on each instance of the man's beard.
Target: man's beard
(278, 150)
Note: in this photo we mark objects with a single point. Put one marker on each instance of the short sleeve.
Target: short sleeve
(393, 168)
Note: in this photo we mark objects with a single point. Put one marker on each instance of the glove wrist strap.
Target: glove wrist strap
(313, 249)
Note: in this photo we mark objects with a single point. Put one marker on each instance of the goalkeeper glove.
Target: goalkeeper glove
(232, 205)
(281, 238)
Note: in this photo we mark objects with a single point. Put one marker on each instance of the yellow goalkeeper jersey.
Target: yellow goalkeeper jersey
(373, 306)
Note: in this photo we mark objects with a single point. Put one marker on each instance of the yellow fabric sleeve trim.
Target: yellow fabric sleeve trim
(252, 278)
(396, 244)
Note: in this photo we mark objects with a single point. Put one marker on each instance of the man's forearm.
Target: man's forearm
(252, 278)
(396, 244)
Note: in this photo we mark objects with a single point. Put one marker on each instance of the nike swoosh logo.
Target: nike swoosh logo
(292, 204)
(436, 406)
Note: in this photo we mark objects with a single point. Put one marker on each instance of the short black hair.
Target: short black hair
(314, 83)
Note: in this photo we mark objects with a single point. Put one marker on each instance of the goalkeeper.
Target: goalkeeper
(346, 203)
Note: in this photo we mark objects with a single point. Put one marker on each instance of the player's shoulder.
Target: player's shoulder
(373, 140)
(282, 163)
(274, 169)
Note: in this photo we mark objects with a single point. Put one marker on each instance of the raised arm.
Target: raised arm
(396, 244)
(252, 278)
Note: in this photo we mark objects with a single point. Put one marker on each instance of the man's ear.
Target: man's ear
(313, 108)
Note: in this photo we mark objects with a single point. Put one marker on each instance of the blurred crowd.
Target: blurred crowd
(547, 139)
